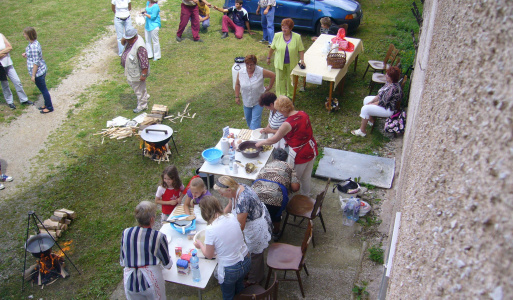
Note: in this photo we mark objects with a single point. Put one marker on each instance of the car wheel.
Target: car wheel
(318, 27)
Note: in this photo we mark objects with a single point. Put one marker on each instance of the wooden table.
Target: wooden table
(221, 169)
(176, 239)
(316, 64)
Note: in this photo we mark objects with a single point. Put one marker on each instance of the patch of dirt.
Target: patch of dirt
(26, 136)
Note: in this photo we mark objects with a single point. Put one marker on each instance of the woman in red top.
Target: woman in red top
(170, 192)
(297, 132)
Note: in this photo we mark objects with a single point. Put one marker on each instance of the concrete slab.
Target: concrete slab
(339, 165)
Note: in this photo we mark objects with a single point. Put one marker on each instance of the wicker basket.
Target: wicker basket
(336, 60)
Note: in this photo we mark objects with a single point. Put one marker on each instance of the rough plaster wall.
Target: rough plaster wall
(456, 180)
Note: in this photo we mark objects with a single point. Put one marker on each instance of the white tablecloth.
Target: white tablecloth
(221, 169)
(175, 239)
(316, 64)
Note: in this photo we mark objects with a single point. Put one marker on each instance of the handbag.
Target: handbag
(396, 122)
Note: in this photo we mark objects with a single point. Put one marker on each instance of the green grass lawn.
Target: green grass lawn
(104, 182)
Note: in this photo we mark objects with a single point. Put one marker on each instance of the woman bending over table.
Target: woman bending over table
(275, 117)
(289, 51)
(384, 104)
(254, 220)
(224, 239)
(297, 132)
(250, 84)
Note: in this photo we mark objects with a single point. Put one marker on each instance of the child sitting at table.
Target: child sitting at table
(170, 191)
(328, 28)
(194, 194)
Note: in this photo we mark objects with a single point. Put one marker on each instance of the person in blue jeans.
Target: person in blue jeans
(122, 20)
(224, 239)
(37, 67)
(267, 8)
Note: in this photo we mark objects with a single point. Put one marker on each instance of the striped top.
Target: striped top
(276, 119)
(142, 247)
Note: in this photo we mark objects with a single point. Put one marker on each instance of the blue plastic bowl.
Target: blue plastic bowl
(212, 155)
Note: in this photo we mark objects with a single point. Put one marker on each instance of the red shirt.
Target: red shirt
(300, 137)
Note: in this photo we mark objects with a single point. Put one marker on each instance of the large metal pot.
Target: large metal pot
(40, 244)
(157, 134)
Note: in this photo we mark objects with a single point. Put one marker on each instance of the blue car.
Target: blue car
(308, 13)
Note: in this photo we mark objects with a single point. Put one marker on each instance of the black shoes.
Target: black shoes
(28, 102)
(12, 106)
(179, 39)
(224, 35)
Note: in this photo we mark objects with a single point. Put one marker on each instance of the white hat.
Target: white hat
(130, 33)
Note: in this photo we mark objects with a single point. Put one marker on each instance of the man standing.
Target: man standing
(122, 21)
(239, 17)
(142, 250)
(189, 11)
(7, 71)
(267, 8)
(135, 61)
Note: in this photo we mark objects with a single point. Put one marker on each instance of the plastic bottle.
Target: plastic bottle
(196, 276)
(231, 153)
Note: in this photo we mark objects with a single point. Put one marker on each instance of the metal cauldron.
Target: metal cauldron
(40, 244)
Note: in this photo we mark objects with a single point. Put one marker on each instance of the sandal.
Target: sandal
(46, 111)
(358, 132)
(41, 108)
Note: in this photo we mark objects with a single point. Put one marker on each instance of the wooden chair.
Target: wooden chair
(257, 292)
(380, 65)
(380, 78)
(402, 82)
(306, 208)
(286, 257)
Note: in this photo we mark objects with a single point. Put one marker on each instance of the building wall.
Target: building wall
(456, 183)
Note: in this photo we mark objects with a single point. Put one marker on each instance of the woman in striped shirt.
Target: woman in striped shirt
(142, 251)
(275, 117)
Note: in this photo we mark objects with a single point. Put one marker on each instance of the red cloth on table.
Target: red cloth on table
(340, 39)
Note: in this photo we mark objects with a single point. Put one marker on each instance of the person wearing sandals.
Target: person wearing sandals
(254, 220)
(7, 71)
(37, 67)
(384, 104)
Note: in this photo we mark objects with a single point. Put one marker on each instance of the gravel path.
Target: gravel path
(22, 139)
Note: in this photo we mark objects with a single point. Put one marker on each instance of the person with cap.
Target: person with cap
(7, 71)
(135, 61)
(122, 20)
(144, 253)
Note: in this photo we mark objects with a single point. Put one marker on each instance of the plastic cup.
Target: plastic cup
(329, 68)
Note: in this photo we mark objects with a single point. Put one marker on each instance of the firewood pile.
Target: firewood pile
(185, 114)
(58, 222)
(118, 133)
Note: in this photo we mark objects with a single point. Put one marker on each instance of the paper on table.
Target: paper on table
(313, 78)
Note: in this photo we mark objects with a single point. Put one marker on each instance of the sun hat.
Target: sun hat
(130, 33)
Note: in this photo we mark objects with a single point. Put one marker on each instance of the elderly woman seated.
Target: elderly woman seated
(273, 184)
(384, 104)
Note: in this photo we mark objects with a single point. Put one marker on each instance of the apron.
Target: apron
(291, 160)
(153, 275)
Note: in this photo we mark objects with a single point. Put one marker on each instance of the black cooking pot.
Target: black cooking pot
(157, 134)
(40, 244)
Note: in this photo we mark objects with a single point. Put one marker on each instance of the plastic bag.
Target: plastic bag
(340, 39)
(351, 211)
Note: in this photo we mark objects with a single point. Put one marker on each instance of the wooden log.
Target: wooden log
(71, 214)
(67, 221)
(58, 219)
(28, 273)
(50, 224)
(156, 116)
(61, 214)
(55, 233)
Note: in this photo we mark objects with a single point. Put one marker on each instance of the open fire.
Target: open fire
(49, 267)
(156, 152)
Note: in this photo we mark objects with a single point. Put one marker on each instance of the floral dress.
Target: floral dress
(257, 232)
